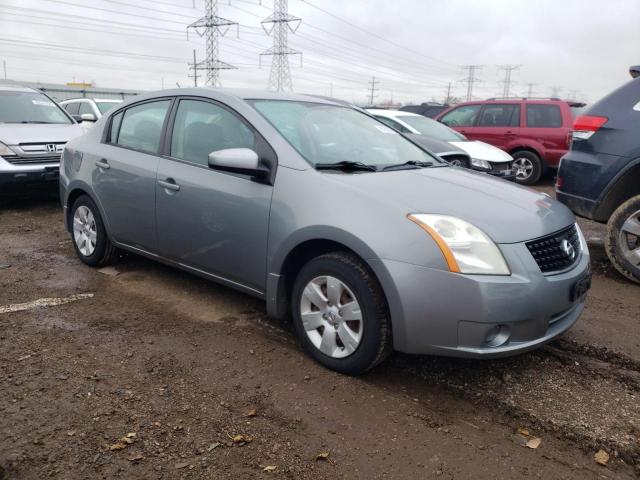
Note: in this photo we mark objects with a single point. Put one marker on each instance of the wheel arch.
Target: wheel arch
(298, 251)
(74, 192)
(623, 187)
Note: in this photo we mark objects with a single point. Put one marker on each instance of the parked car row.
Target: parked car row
(34, 130)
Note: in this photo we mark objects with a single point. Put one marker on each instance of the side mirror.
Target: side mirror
(237, 160)
(88, 117)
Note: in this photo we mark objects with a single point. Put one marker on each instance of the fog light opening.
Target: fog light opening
(497, 336)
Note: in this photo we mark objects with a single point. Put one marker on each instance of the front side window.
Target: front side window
(141, 126)
(464, 116)
(544, 116)
(328, 134)
(29, 107)
(72, 108)
(495, 115)
(202, 127)
(431, 128)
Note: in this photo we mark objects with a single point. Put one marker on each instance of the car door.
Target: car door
(208, 219)
(544, 126)
(124, 177)
(498, 124)
(463, 119)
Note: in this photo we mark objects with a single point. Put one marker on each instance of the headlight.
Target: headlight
(6, 151)
(466, 248)
(483, 164)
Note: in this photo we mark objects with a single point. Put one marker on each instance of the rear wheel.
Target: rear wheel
(90, 240)
(527, 167)
(623, 239)
(340, 314)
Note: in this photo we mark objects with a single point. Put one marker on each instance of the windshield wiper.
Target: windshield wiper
(346, 166)
(410, 163)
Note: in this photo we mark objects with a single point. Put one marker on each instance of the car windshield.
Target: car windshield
(105, 106)
(431, 128)
(329, 134)
(29, 107)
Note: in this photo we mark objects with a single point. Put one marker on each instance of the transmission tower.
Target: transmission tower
(212, 27)
(447, 98)
(471, 78)
(507, 82)
(555, 91)
(373, 86)
(278, 25)
(530, 89)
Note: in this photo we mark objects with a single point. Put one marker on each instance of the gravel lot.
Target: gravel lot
(164, 375)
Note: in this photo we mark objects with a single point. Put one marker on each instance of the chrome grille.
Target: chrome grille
(34, 159)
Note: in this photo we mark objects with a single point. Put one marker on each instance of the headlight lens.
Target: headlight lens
(6, 151)
(483, 164)
(466, 248)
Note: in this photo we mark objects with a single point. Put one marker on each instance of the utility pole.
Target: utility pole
(194, 66)
(555, 91)
(507, 82)
(471, 78)
(373, 85)
(278, 25)
(530, 89)
(212, 27)
(447, 99)
(4, 66)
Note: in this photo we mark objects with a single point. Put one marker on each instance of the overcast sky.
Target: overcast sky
(413, 47)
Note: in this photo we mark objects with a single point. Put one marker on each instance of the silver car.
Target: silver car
(89, 109)
(33, 132)
(365, 240)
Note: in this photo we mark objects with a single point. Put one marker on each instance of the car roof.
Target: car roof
(392, 113)
(240, 94)
(17, 88)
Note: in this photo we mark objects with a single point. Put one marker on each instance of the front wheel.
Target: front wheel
(90, 240)
(623, 239)
(340, 314)
(527, 167)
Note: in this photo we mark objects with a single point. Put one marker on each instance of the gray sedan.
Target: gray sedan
(365, 240)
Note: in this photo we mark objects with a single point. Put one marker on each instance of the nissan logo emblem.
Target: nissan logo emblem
(568, 249)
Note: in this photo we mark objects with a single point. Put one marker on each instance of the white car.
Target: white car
(484, 157)
(88, 109)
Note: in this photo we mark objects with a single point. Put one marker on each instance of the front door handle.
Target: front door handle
(169, 184)
(102, 163)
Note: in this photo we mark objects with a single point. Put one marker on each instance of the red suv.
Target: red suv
(536, 132)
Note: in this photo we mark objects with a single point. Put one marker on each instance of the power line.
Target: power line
(212, 27)
(507, 82)
(278, 25)
(471, 78)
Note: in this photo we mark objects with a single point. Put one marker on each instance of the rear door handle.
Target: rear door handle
(102, 163)
(169, 184)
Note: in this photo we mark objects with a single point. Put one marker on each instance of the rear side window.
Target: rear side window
(464, 116)
(141, 126)
(72, 108)
(544, 116)
(494, 115)
(202, 127)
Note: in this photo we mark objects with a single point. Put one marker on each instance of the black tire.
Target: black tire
(376, 342)
(536, 172)
(613, 245)
(105, 253)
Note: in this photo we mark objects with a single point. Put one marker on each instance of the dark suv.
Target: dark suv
(536, 132)
(600, 177)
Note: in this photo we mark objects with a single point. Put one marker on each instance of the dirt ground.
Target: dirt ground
(202, 385)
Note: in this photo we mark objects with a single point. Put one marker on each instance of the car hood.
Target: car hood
(483, 151)
(434, 145)
(16, 133)
(508, 213)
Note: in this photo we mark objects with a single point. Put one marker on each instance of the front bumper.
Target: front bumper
(17, 174)
(443, 313)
